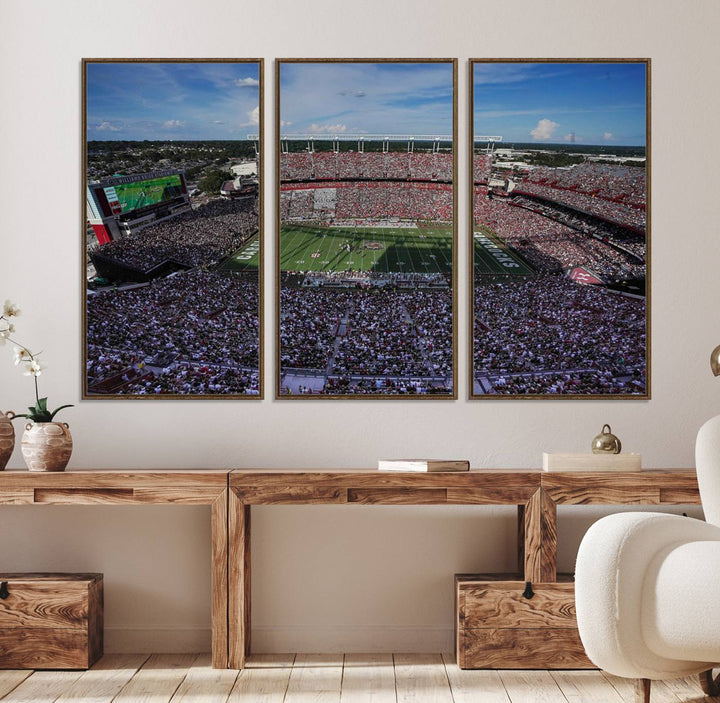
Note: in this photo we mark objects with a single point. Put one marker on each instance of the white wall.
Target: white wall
(326, 577)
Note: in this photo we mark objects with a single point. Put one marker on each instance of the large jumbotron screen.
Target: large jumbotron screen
(131, 196)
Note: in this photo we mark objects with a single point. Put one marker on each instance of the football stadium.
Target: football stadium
(366, 266)
(166, 313)
(559, 280)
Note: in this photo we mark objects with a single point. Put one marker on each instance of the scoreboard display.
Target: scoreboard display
(112, 202)
(125, 197)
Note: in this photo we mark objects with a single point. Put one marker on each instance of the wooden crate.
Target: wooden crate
(50, 621)
(497, 627)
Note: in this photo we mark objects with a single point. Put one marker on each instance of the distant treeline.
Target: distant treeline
(239, 148)
(572, 148)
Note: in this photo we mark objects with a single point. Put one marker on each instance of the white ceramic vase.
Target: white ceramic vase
(46, 446)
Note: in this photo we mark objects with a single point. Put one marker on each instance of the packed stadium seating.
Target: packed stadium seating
(195, 238)
(550, 335)
(614, 193)
(370, 200)
(367, 332)
(393, 165)
(552, 239)
(203, 325)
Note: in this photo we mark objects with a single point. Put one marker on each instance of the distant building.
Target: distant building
(239, 188)
(246, 169)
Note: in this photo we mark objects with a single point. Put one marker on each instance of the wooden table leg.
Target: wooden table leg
(219, 614)
(238, 582)
(537, 538)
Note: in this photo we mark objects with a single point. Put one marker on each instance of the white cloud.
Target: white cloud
(285, 123)
(246, 82)
(608, 136)
(218, 122)
(254, 115)
(173, 124)
(327, 128)
(544, 130)
(108, 127)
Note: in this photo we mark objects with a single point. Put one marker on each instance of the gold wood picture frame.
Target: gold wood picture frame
(366, 228)
(172, 236)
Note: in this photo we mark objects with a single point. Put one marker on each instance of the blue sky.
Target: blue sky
(160, 101)
(598, 103)
(371, 98)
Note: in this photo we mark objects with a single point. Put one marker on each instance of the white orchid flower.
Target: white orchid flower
(33, 368)
(22, 355)
(10, 309)
(6, 329)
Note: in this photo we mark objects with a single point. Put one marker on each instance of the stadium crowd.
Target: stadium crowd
(482, 165)
(367, 199)
(392, 165)
(367, 332)
(197, 331)
(614, 193)
(386, 386)
(559, 336)
(625, 184)
(199, 237)
(550, 240)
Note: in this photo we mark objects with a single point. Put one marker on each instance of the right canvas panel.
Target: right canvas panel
(560, 228)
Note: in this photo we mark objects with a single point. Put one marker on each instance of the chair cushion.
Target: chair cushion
(681, 602)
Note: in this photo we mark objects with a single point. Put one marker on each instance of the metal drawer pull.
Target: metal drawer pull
(4, 590)
(528, 592)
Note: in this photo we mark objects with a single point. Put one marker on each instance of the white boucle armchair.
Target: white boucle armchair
(647, 586)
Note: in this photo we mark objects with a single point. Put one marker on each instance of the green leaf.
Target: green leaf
(42, 404)
(57, 410)
(32, 410)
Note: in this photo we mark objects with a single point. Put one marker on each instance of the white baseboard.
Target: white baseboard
(272, 640)
(352, 638)
(149, 640)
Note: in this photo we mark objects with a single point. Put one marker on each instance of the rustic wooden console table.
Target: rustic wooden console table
(200, 487)
(537, 495)
(232, 493)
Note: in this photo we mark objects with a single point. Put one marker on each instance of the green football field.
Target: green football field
(309, 248)
(247, 258)
(492, 256)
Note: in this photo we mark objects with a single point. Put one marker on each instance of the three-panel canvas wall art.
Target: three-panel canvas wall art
(365, 228)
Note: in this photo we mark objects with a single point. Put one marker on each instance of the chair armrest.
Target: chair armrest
(610, 573)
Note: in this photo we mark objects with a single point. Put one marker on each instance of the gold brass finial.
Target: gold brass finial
(715, 361)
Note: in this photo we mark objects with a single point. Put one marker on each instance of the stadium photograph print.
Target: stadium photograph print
(172, 228)
(366, 228)
(560, 228)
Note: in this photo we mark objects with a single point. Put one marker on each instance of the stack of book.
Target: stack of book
(423, 465)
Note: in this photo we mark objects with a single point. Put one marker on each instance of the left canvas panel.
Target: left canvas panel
(172, 228)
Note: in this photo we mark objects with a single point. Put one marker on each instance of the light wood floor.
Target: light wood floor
(322, 678)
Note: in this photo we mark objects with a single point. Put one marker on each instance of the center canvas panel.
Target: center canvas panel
(366, 228)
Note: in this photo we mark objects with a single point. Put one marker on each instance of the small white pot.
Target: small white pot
(46, 446)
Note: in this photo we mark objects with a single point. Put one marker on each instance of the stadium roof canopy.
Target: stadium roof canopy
(344, 136)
